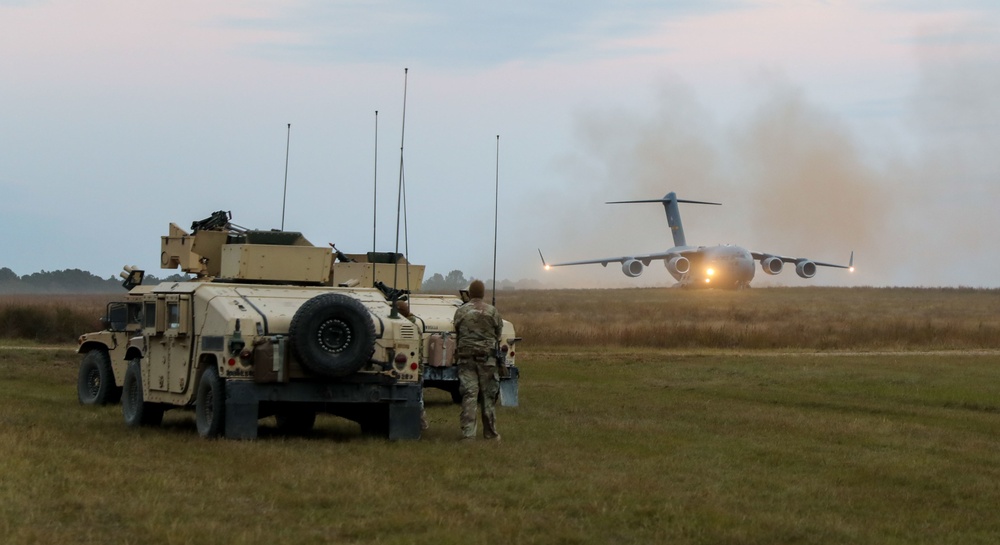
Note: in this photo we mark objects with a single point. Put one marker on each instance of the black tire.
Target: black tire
(332, 334)
(136, 411)
(210, 404)
(295, 421)
(95, 385)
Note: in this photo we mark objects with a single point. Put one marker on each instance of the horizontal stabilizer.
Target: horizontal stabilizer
(664, 201)
(669, 202)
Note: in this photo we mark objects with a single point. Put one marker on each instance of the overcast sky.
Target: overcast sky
(822, 126)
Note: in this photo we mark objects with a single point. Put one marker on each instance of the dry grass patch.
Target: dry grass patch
(50, 318)
(759, 318)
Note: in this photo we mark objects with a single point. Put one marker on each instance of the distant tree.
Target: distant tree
(7, 275)
(10, 282)
(151, 279)
(456, 280)
(434, 284)
(66, 281)
(440, 284)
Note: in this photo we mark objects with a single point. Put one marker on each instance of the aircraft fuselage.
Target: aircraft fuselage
(717, 267)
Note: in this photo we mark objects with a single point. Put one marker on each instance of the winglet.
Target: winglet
(544, 264)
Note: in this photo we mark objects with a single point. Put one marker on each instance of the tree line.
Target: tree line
(77, 281)
(66, 281)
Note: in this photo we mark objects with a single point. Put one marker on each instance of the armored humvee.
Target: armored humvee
(272, 325)
(258, 331)
(102, 369)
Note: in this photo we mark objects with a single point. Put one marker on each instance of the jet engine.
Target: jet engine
(678, 265)
(771, 265)
(805, 269)
(631, 268)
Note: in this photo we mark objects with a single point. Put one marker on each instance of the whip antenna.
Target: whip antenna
(375, 185)
(284, 194)
(400, 196)
(496, 209)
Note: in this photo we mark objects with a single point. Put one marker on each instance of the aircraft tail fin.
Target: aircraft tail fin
(673, 212)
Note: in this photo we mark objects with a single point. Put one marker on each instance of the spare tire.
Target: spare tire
(332, 334)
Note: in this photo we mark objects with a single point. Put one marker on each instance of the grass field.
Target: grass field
(609, 445)
(812, 318)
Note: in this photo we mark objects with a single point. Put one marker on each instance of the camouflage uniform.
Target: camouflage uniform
(478, 326)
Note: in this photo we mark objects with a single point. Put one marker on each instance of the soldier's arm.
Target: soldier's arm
(498, 327)
(459, 314)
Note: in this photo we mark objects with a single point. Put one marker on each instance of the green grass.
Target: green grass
(608, 446)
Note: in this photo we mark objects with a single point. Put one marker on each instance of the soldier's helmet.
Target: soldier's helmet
(477, 290)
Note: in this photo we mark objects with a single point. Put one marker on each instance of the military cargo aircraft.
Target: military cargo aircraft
(723, 266)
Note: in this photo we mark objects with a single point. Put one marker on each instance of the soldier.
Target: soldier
(478, 326)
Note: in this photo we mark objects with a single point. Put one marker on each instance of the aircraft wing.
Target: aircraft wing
(760, 256)
(644, 258)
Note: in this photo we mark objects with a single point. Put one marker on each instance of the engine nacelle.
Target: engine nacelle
(679, 265)
(771, 265)
(632, 268)
(805, 269)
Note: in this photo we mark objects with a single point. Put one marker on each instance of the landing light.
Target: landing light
(547, 267)
(850, 269)
(710, 272)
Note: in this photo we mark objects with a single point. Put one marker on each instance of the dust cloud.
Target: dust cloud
(915, 203)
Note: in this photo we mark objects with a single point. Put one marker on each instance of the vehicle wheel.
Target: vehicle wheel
(96, 382)
(332, 334)
(210, 404)
(136, 411)
(295, 421)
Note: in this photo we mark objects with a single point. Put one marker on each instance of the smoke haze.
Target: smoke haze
(914, 203)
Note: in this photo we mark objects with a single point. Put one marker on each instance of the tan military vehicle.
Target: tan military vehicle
(260, 330)
(105, 351)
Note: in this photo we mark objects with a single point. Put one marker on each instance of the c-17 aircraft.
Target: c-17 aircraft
(723, 266)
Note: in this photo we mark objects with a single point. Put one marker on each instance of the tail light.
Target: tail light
(399, 362)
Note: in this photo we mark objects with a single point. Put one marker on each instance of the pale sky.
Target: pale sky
(822, 126)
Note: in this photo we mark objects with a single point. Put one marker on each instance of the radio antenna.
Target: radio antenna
(284, 194)
(375, 185)
(400, 196)
(496, 209)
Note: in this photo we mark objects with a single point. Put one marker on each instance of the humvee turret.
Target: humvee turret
(261, 329)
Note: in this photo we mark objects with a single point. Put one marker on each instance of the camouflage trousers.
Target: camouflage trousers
(479, 384)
